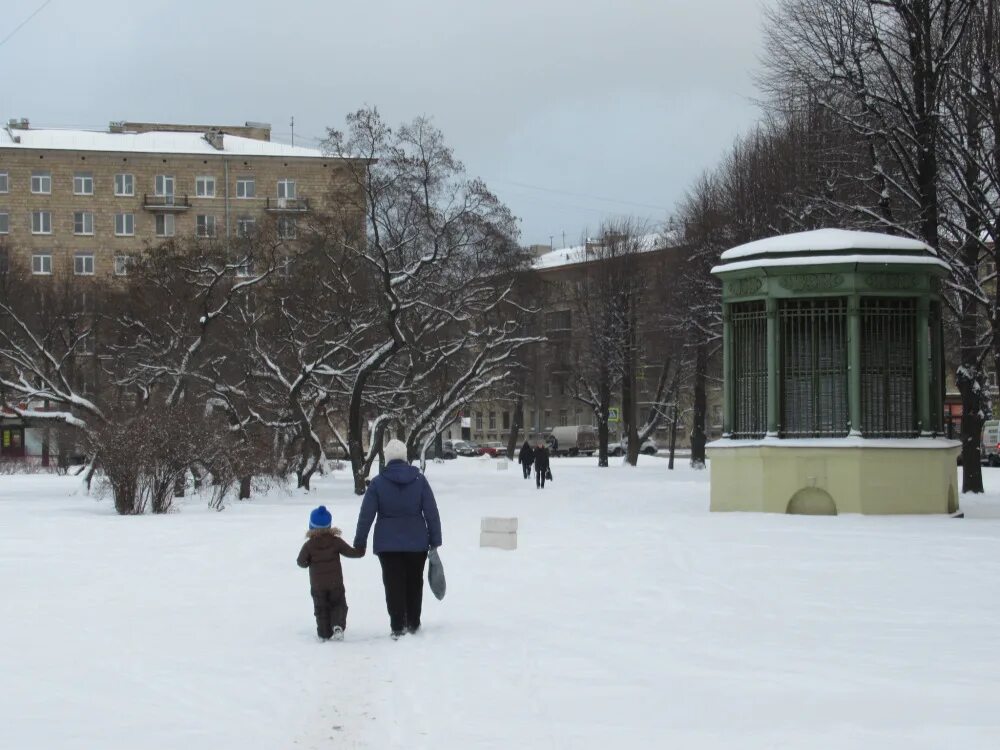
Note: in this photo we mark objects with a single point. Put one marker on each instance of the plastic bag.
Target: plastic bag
(435, 574)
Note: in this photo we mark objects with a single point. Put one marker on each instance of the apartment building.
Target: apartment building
(80, 203)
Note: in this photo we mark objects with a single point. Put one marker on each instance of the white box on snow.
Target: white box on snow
(499, 525)
(498, 539)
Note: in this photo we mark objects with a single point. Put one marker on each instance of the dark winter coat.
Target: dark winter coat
(541, 458)
(321, 554)
(407, 514)
(526, 456)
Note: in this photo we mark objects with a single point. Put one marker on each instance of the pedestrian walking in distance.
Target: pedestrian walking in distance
(321, 554)
(526, 457)
(541, 465)
(400, 503)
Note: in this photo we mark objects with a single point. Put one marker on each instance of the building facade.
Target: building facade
(547, 398)
(77, 205)
(80, 203)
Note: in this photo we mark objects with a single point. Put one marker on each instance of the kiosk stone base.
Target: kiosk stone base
(826, 477)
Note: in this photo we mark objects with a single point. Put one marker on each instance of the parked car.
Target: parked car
(492, 449)
(572, 440)
(466, 448)
(447, 451)
(648, 447)
(989, 449)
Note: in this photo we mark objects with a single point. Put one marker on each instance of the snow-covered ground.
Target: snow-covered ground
(629, 617)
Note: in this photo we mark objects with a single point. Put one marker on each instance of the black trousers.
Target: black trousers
(540, 478)
(403, 578)
(330, 608)
(527, 470)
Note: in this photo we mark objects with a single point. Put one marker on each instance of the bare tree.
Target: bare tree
(431, 242)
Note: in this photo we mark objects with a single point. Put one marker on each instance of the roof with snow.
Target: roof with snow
(153, 142)
(590, 251)
(828, 246)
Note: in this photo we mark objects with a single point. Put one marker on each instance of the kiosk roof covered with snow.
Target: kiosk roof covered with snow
(834, 377)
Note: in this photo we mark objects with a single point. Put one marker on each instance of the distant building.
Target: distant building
(547, 398)
(79, 202)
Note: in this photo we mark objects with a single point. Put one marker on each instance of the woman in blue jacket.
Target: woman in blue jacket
(400, 503)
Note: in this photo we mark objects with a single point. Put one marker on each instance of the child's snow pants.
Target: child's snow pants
(330, 608)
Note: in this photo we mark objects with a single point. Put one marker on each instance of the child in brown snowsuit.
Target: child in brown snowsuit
(321, 554)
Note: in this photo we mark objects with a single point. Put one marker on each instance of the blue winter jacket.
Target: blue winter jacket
(408, 519)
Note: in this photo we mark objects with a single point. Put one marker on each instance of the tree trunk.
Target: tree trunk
(515, 427)
(245, 487)
(698, 438)
(630, 401)
(673, 437)
(971, 384)
(603, 411)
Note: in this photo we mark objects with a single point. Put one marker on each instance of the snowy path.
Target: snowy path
(629, 617)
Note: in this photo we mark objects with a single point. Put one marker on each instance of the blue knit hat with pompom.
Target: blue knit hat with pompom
(320, 518)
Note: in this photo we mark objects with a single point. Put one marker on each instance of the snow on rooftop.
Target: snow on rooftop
(569, 256)
(816, 260)
(827, 240)
(155, 142)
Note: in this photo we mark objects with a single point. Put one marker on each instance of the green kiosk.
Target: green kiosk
(834, 377)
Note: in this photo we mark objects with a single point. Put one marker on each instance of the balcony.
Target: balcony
(287, 205)
(166, 203)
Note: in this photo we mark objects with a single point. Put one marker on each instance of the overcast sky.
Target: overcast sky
(571, 110)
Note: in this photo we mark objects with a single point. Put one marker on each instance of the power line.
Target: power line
(578, 195)
(24, 22)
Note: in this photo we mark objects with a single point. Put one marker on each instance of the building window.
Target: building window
(245, 269)
(4, 182)
(205, 225)
(41, 222)
(204, 187)
(4, 223)
(888, 367)
(164, 184)
(124, 225)
(749, 368)
(533, 424)
(548, 420)
(548, 388)
(165, 225)
(83, 264)
(479, 421)
(83, 222)
(246, 187)
(124, 185)
(83, 183)
(286, 189)
(813, 387)
(493, 420)
(41, 183)
(563, 418)
(287, 229)
(121, 265)
(506, 420)
(245, 226)
(41, 263)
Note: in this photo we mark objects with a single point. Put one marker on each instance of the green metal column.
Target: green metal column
(938, 376)
(772, 367)
(854, 365)
(727, 373)
(923, 367)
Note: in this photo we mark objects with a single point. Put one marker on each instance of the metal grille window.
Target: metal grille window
(888, 364)
(749, 369)
(813, 335)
